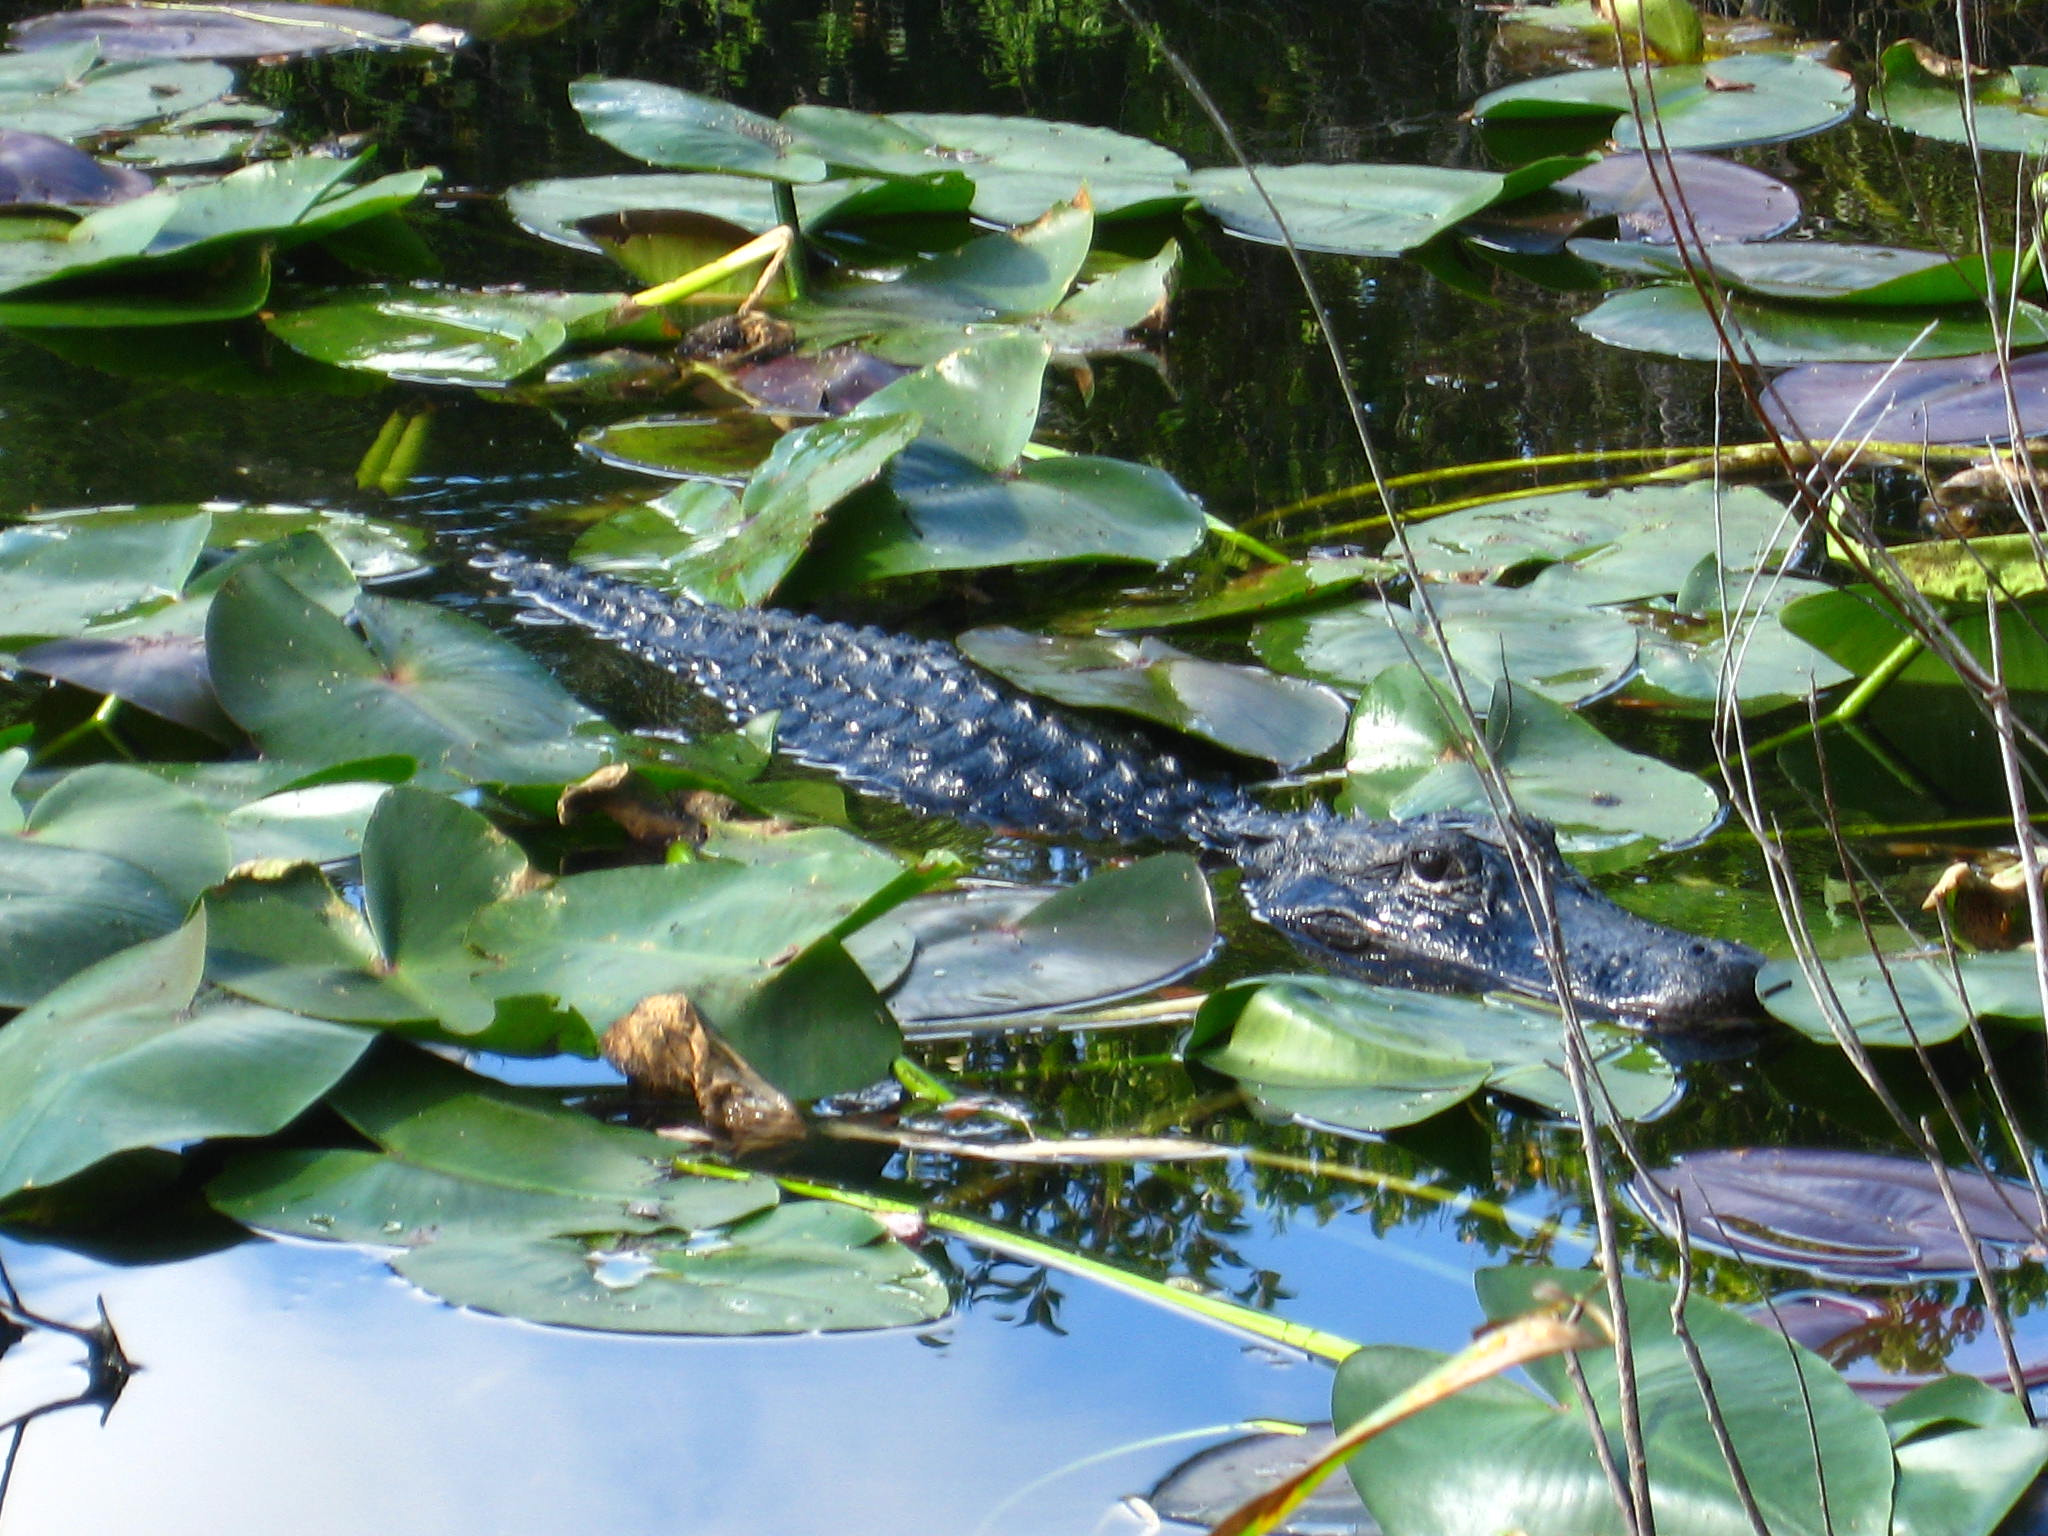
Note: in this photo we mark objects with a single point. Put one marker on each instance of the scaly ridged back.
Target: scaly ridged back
(911, 720)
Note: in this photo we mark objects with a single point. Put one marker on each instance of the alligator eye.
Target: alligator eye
(1435, 866)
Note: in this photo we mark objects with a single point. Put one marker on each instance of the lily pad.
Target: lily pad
(668, 127)
(1406, 759)
(129, 814)
(1748, 99)
(120, 1057)
(1672, 319)
(1247, 710)
(1843, 1215)
(1819, 271)
(981, 401)
(439, 337)
(1700, 654)
(1607, 548)
(557, 209)
(1332, 1051)
(60, 580)
(946, 513)
(809, 1268)
(1932, 991)
(68, 93)
(2005, 112)
(428, 683)
(1561, 650)
(1944, 400)
(1351, 210)
(739, 551)
(1718, 200)
(255, 29)
(995, 953)
(1524, 1463)
(164, 674)
(64, 909)
(37, 171)
(727, 447)
(1022, 167)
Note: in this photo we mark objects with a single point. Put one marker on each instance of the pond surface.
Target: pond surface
(287, 1384)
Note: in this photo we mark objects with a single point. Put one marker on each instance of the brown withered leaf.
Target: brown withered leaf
(648, 815)
(665, 1046)
(1986, 897)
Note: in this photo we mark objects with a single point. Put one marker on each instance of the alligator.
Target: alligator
(1433, 903)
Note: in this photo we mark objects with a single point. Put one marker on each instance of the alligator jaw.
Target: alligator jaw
(1434, 903)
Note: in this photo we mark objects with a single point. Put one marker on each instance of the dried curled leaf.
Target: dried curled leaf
(644, 813)
(665, 1046)
(1986, 897)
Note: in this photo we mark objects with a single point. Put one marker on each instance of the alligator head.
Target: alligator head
(1434, 903)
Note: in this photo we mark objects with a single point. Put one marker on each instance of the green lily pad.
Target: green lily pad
(61, 580)
(429, 866)
(68, 93)
(687, 132)
(1931, 990)
(1016, 273)
(129, 814)
(809, 1268)
(64, 909)
(508, 1203)
(981, 401)
(1497, 1457)
(946, 513)
(1247, 710)
(739, 551)
(120, 1057)
(1561, 650)
(996, 953)
(1761, 98)
(728, 446)
(1023, 167)
(1818, 271)
(2005, 105)
(1406, 758)
(428, 683)
(1607, 548)
(714, 930)
(557, 209)
(439, 337)
(1332, 1051)
(1700, 654)
(1671, 319)
(1352, 210)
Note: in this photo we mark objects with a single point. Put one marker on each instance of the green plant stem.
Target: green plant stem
(796, 271)
(1852, 705)
(99, 723)
(404, 458)
(370, 470)
(1230, 1314)
(761, 248)
(1239, 539)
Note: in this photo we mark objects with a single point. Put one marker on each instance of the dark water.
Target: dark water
(299, 1387)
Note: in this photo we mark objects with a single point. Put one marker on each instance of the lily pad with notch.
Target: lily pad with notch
(1332, 1051)
(60, 579)
(993, 954)
(1855, 1216)
(427, 683)
(1748, 99)
(684, 131)
(1408, 756)
(71, 92)
(1560, 650)
(1350, 210)
(1711, 200)
(442, 337)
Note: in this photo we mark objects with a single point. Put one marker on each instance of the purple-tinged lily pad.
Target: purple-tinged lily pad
(1940, 400)
(1717, 200)
(262, 29)
(1846, 1215)
(1886, 1346)
(37, 171)
(163, 674)
(828, 383)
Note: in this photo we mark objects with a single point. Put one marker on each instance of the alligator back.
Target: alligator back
(911, 720)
